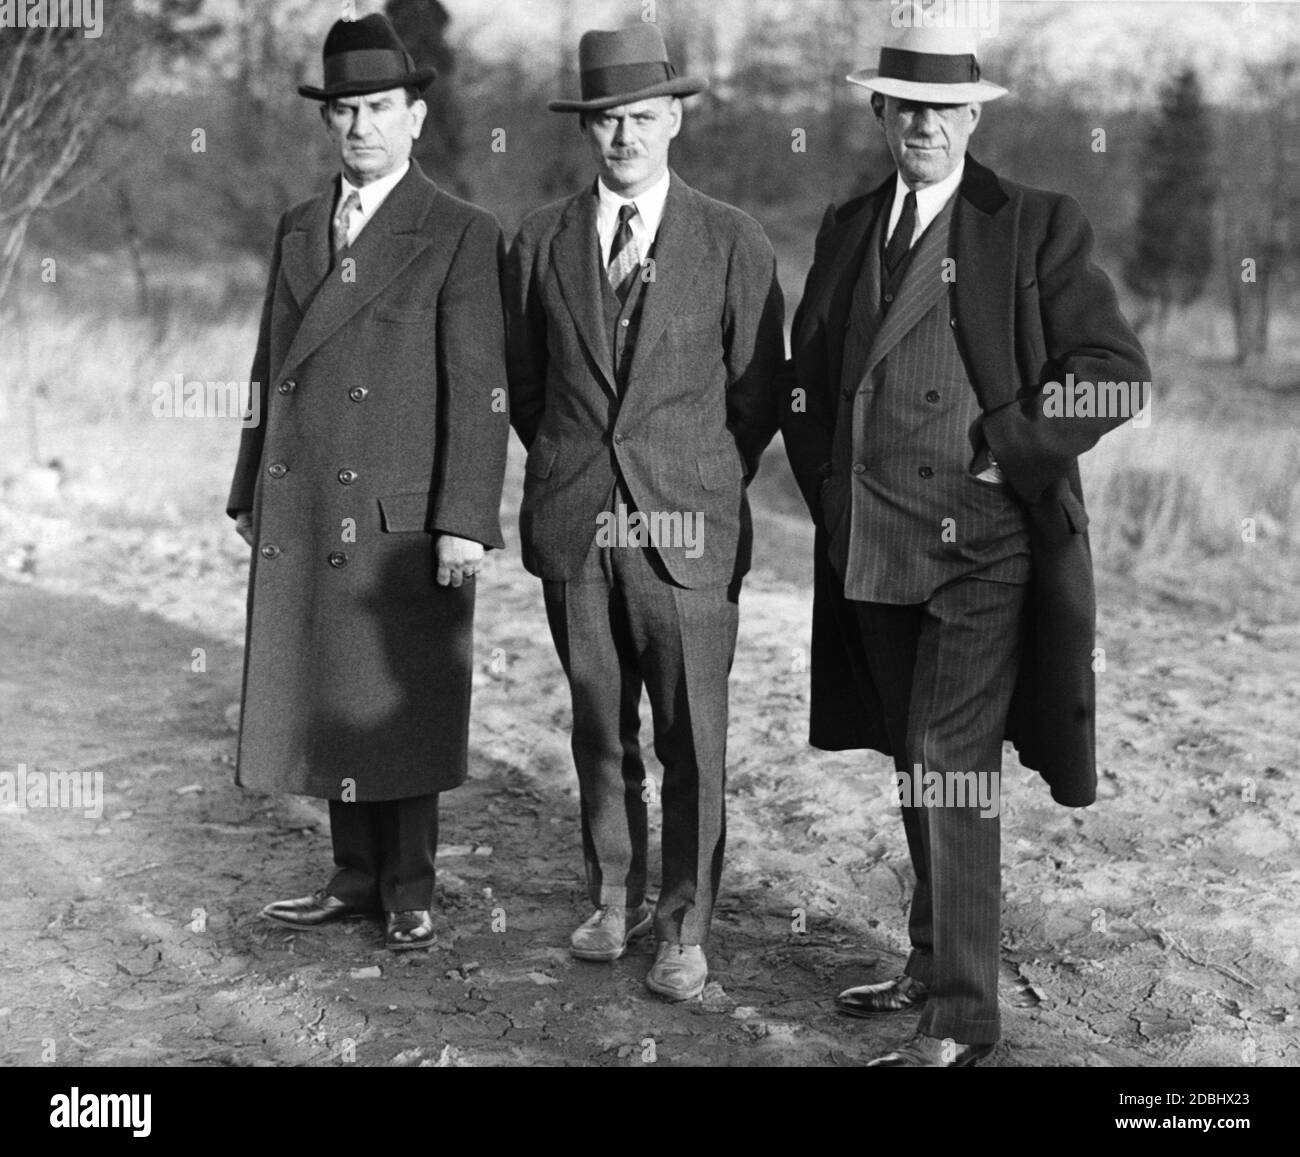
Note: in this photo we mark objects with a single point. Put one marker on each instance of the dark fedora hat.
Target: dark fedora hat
(363, 56)
(627, 65)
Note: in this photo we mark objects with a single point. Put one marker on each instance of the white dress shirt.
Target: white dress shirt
(372, 196)
(645, 225)
(929, 201)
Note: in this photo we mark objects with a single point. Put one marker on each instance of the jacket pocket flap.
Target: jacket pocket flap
(404, 512)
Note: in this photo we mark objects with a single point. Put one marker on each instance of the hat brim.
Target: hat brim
(420, 79)
(678, 86)
(975, 92)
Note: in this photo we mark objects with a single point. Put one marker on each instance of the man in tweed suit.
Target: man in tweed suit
(954, 600)
(644, 326)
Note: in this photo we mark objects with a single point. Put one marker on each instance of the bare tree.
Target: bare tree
(58, 91)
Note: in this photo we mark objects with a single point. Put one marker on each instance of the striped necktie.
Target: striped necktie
(343, 220)
(624, 260)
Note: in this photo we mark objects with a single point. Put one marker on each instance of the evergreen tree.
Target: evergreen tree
(1171, 258)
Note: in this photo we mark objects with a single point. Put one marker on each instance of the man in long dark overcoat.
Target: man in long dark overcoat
(369, 491)
(944, 314)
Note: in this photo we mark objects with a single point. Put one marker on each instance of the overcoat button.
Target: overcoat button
(338, 559)
(347, 477)
(619, 439)
(932, 395)
(358, 393)
(889, 297)
(288, 387)
(859, 468)
(270, 550)
(926, 472)
(277, 470)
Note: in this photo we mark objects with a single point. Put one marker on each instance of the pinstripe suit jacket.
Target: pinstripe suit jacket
(1029, 307)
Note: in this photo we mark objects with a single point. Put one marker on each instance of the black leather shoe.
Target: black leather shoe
(409, 930)
(897, 995)
(313, 911)
(928, 1052)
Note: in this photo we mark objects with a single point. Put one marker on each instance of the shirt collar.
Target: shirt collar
(929, 201)
(649, 204)
(374, 194)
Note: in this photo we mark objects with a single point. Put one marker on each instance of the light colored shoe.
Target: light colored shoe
(606, 933)
(679, 971)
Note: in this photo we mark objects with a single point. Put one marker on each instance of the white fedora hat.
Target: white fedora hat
(935, 65)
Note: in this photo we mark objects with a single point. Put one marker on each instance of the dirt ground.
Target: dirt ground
(1159, 927)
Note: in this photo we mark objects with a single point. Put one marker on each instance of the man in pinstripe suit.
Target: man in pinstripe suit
(954, 601)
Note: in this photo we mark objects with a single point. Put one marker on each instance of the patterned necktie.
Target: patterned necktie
(624, 260)
(343, 220)
(901, 241)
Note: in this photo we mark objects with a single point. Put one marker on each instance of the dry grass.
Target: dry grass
(1222, 446)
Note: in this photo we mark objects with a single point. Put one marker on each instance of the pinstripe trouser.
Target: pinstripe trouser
(945, 670)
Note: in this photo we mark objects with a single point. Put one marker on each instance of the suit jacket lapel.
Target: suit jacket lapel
(575, 256)
(679, 250)
(984, 244)
(391, 240)
(922, 287)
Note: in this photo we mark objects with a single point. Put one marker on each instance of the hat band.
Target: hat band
(599, 83)
(365, 65)
(928, 67)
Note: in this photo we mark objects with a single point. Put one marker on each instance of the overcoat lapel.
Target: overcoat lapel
(844, 247)
(984, 243)
(575, 256)
(305, 251)
(679, 250)
(391, 240)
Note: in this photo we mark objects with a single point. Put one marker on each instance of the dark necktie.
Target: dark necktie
(901, 241)
(624, 260)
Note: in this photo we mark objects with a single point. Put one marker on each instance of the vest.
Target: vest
(623, 322)
(917, 517)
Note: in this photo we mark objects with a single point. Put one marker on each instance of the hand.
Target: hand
(992, 472)
(458, 559)
(244, 526)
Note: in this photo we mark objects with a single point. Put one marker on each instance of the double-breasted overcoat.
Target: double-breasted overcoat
(383, 424)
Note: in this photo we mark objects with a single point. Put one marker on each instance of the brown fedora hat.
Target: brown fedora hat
(627, 65)
(363, 56)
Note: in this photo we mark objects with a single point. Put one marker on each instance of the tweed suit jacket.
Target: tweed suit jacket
(697, 407)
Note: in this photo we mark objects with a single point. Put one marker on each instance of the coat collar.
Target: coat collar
(391, 240)
(984, 243)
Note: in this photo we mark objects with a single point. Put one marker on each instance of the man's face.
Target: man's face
(374, 133)
(630, 142)
(927, 141)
